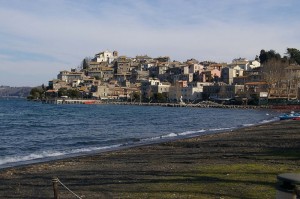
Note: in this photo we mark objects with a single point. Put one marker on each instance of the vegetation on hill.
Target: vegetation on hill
(292, 56)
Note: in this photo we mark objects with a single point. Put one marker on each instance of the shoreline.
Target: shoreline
(203, 104)
(124, 146)
(206, 104)
(208, 166)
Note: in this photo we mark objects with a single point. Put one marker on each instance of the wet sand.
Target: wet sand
(242, 163)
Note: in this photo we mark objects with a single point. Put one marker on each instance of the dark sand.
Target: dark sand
(240, 164)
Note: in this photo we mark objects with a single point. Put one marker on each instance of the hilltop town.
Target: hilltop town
(110, 77)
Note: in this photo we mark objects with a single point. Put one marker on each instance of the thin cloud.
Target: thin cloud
(48, 36)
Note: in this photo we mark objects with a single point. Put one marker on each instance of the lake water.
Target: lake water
(34, 132)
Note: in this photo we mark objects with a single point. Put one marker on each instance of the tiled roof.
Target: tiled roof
(255, 83)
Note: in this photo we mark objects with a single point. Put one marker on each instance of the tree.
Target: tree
(136, 96)
(273, 71)
(62, 92)
(36, 93)
(85, 63)
(73, 93)
(293, 55)
(160, 97)
(265, 56)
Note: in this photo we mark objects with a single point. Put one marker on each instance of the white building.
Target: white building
(105, 56)
(187, 92)
(243, 63)
(254, 64)
(193, 68)
(69, 77)
(227, 74)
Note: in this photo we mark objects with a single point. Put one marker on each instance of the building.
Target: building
(105, 56)
(69, 77)
(56, 84)
(221, 91)
(254, 64)
(102, 73)
(176, 91)
(227, 74)
(243, 63)
(193, 92)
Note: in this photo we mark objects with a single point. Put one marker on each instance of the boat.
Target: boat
(89, 102)
(291, 115)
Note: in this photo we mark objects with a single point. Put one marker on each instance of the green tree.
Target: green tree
(36, 93)
(265, 56)
(136, 96)
(74, 93)
(159, 97)
(293, 55)
(62, 92)
(85, 63)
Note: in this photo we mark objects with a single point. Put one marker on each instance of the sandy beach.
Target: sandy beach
(243, 163)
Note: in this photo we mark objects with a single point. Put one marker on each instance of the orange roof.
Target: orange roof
(255, 83)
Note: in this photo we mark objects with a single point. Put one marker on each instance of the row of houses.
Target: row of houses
(108, 76)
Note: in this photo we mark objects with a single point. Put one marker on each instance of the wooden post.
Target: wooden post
(55, 187)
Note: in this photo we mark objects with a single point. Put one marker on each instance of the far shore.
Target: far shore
(202, 104)
(242, 163)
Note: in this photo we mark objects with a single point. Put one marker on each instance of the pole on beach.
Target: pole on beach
(55, 187)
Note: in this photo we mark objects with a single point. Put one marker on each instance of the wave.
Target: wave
(221, 129)
(260, 122)
(33, 156)
(51, 154)
(169, 135)
(269, 120)
(245, 125)
(192, 132)
(119, 143)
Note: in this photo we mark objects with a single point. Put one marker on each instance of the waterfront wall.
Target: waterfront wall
(198, 105)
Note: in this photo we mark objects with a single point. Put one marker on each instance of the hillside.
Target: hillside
(7, 91)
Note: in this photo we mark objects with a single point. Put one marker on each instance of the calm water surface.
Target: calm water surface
(33, 132)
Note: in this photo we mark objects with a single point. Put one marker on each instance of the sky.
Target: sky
(39, 38)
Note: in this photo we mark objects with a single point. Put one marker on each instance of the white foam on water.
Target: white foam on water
(269, 120)
(93, 149)
(33, 156)
(151, 139)
(49, 154)
(221, 129)
(248, 125)
(169, 135)
(192, 132)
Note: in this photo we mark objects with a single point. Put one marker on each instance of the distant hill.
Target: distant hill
(7, 91)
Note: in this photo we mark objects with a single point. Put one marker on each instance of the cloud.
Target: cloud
(47, 36)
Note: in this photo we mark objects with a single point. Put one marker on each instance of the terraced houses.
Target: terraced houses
(109, 76)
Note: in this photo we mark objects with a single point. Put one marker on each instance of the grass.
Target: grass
(229, 166)
(231, 181)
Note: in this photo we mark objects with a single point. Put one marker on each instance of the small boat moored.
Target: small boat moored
(292, 115)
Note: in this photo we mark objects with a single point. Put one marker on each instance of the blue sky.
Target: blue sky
(39, 38)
